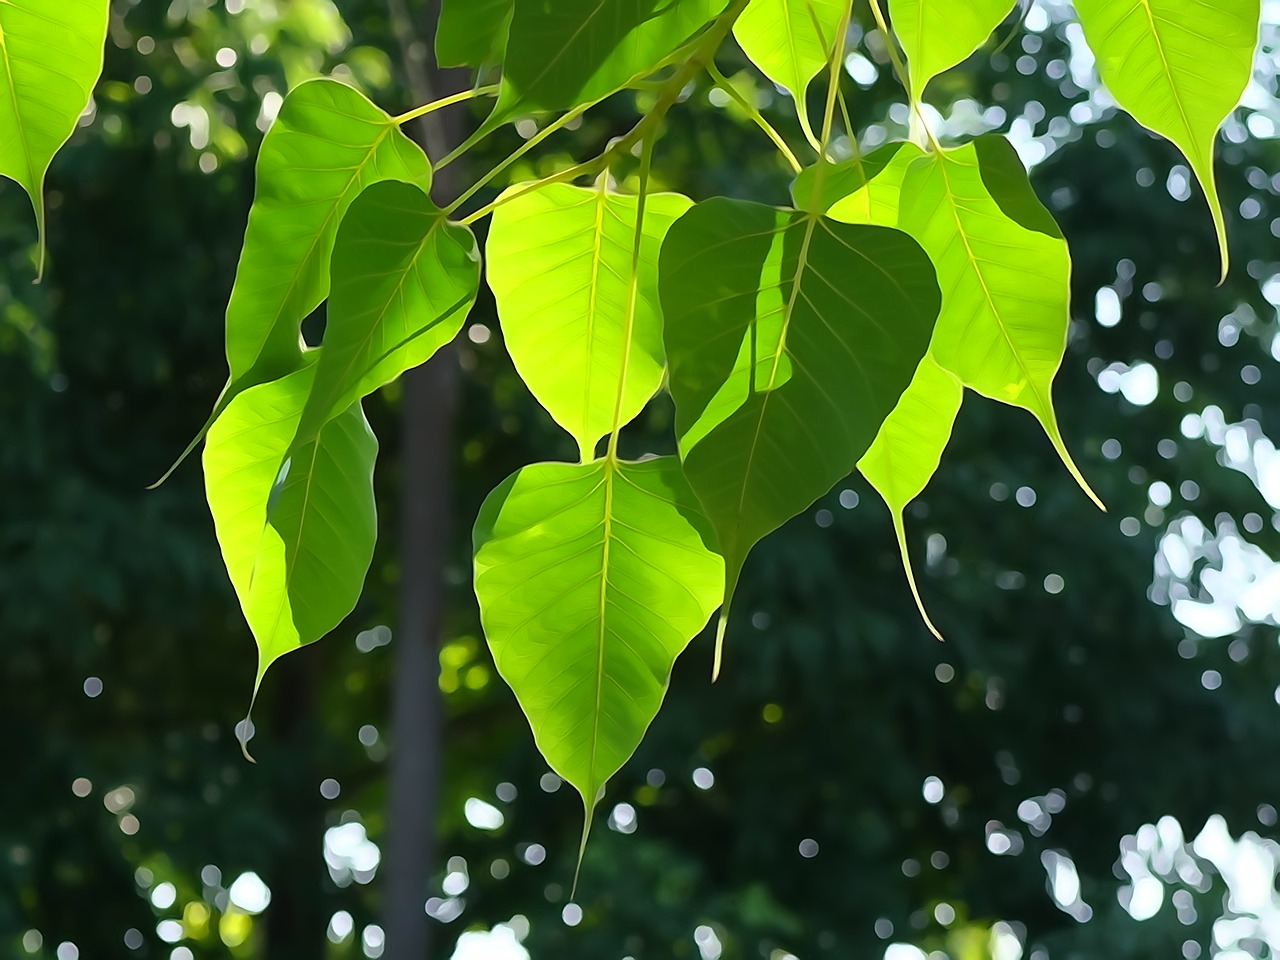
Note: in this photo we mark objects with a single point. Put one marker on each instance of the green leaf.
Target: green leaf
(1179, 67)
(297, 535)
(560, 261)
(472, 33)
(50, 59)
(862, 190)
(1005, 274)
(908, 448)
(592, 578)
(404, 279)
(791, 41)
(327, 144)
(790, 339)
(571, 52)
(938, 34)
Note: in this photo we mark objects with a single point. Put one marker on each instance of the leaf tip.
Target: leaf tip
(721, 626)
(900, 532)
(588, 815)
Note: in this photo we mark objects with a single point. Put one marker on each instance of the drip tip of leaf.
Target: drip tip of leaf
(900, 531)
(195, 441)
(588, 812)
(721, 625)
(1050, 424)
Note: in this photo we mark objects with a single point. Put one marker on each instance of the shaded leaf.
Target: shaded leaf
(571, 52)
(789, 338)
(1179, 67)
(50, 59)
(592, 578)
(560, 261)
(1005, 275)
(297, 535)
(908, 448)
(938, 34)
(791, 41)
(404, 279)
(472, 33)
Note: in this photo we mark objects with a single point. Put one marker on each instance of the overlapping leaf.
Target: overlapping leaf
(862, 190)
(297, 534)
(560, 262)
(1005, 274)
(908, 448)
(472, 33)
(592, 578)
(404, 279)
(572, 52)
(938, 34)
(791, 41)
(1179, 67)
(790, 339)
(42, 96)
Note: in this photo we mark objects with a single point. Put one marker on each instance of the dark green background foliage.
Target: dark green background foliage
(835, 705)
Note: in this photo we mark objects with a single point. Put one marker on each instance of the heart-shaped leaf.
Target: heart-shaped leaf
(404, 279)
(938, 34)
(791, 41)
(297, 534)
(1179, 67)
(1005, 274)
(790, 339)
(42, 96)
(560, 261)
(592, 578)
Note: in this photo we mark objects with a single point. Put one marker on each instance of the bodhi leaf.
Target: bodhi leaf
(327, 144)
(1005, 274)
(908, 448)
(592, 578)
(560, 261)
(791, 41)
(572, 52)
(1179, 67)
(790, 338)
(472, 33)
(50, 59)
(297, 535)
(938, 34)
(862, 190)
(404, 278)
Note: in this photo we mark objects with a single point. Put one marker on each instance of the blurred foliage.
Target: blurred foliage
(782, 812)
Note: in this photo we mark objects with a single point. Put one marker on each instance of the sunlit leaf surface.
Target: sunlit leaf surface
(938, 34)
(592, 578)
(472, 33)
(1005, 274)
(42, 95)
(1179, 67)
(790, 41)
(863, 190)
(560, 269)
(297, 534)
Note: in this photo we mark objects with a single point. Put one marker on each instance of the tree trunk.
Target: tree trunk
(430, 399)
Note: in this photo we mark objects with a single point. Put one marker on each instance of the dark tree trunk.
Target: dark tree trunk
(430, 399)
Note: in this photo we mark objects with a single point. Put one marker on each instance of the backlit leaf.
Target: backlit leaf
(1005, 275)
(560, 266)
(592, 578)
(472, 33)
(50, 59)
(297, 535)
(1179, 67)
(909, 446)
(404, 279)
(938, 34)
(791, 41)
(789, 338)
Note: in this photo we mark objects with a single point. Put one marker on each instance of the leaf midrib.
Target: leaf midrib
(1145, 5)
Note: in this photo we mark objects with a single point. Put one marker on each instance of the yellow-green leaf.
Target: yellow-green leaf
(1179, 67)
(938, 34)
